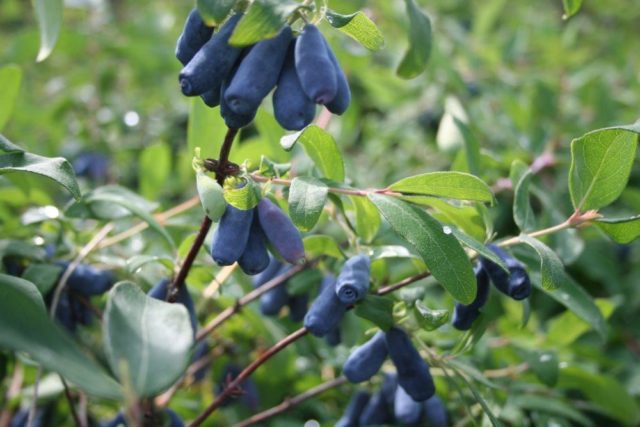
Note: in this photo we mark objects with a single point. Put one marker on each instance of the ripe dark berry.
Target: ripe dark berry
(326, 310)
(413, 371)
(314, 67)
(464, 315)
(257, 73)
(231, 236)
(298, 305)
(87, 280)
(366, 360)
(292, 107)
(353, 281)
(255, 257)
(213, 62)
(269, 273)
(352, 413)
(516, 283)
(405, 409)
(231, 118)
(271, 302)
(339, 104)
(334, 336)
(379, 409)
(194, 35)
(282, 234)
(435, 413)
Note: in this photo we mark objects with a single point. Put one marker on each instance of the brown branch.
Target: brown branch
(234, 385)
(76, 419)
(291, 402)
(178, 282)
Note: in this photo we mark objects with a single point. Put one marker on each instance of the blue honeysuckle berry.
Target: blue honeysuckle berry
(280, 231)
(365, 361)
(516, 283)
(231, 236)
(326, 311)
(353, 281)
(435, 413)
(159, 291)
(315, 70)
(354, 409)
(194, 35)
(465, 315)
(406, 410)
(255, 258)
(413, 372)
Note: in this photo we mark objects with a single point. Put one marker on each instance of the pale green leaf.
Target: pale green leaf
(263, 20)
(10, 76)
(415, 59)
(571, 7)
(601, 162)
(551, 268)
(307, 197)
(376, 309)
(320, 244)
(359, 27)
(321, 148)
(367, 218)
(451, 185)
(621, 230)
(522, 212)
(154, 168)
(214, 12)
(205, 129)
(137, 331)
(49, 17)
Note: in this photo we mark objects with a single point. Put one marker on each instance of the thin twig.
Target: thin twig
(72, 409)
(292, 402)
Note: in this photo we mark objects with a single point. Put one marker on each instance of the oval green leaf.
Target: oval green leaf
(451, 185)
(307, 197)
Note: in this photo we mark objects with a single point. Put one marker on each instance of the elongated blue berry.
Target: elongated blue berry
(406, 410)
(353, 281)
(339, 104)
(166, 418)
(213, 62)
(87, 280)
(334, 336)
(298, 305)
(435, 413)
(292, 107)
(231, 236)
(232, 118)
(159, 291)
(258, 73)
(194, 35)
(255, 257)
(199, 356)
(326, 310)
(269, 273)
(413, 372)
(314, 67)
(464, 315)
(271, 302)
(366, 360)
(282, 234)
(354, 409)
(249, 396)
(379, 409)
(516, 283)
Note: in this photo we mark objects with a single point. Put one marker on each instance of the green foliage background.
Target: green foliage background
(529, 81)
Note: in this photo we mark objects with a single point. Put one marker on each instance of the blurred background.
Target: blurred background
(525, 81)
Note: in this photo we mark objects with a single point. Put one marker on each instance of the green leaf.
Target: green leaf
(452, 185)
(601, 162)
(471, 146)
(54, 168)
(479, 247)
(206, 129)
(117, 199)
(367, 218)
(567, 327)
(476, 394)
(91, 207)
(49, 17)
(571, 7)
(43, 276)
(427, 318)
(522, 212)
(264, 20)
(576, 299)
(551, 405)
(136, 262)
(241, 193)
(415, 59)
(154, 168)
(25, 326)
(359, 27)
(10, 76)
(545, 365)
(307, 197)
(21, 249)
(551, 268)
(319, 244)
(214, 12)
(8, 146)
(440, 250)
(321, 148)
(621, 230)
(376, 309)
(137, 329)
(604, 391)
(465, 217)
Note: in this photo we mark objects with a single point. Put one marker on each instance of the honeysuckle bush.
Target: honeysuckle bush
(469, 123)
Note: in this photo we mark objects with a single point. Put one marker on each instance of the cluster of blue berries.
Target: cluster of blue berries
(303, 69)
(391, 404)
(242, 236)
(516, 284)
